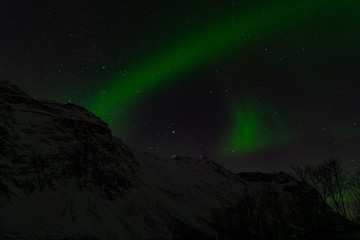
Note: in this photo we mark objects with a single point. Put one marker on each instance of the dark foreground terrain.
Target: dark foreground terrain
(64, 176)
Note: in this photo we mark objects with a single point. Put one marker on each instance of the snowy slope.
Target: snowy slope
(64, 176)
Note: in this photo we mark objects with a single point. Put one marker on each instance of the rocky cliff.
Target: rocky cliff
(64, 176)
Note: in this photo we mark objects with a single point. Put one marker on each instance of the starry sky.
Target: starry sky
(255, 85)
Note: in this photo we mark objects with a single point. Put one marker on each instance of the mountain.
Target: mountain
(64, 176)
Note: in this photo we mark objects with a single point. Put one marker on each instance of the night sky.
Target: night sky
(254, 85)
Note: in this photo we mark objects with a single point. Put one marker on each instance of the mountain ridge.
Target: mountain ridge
(64, 176)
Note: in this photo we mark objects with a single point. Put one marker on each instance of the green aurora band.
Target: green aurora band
(253, 128)
(217, 40)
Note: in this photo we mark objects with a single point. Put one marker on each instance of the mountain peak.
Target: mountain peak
(7, 87)
(56, 142)
(64, 176)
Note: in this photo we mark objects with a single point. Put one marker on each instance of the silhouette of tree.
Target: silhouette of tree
(331, 181)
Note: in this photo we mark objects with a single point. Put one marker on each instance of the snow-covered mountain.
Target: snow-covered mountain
(64, 176)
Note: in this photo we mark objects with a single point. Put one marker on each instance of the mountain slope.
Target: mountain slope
(64, 176)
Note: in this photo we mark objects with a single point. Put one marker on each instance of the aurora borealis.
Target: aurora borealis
(196, 49)
(253, 129)
(253, 85)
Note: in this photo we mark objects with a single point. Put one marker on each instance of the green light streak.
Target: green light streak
(246, 130)
(254, 128)
(213, 42)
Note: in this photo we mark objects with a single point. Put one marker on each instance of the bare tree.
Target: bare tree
(353, 198)
(330, 180)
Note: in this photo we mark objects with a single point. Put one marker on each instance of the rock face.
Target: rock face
(64, 176)
(43, 143)
(48, 149)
